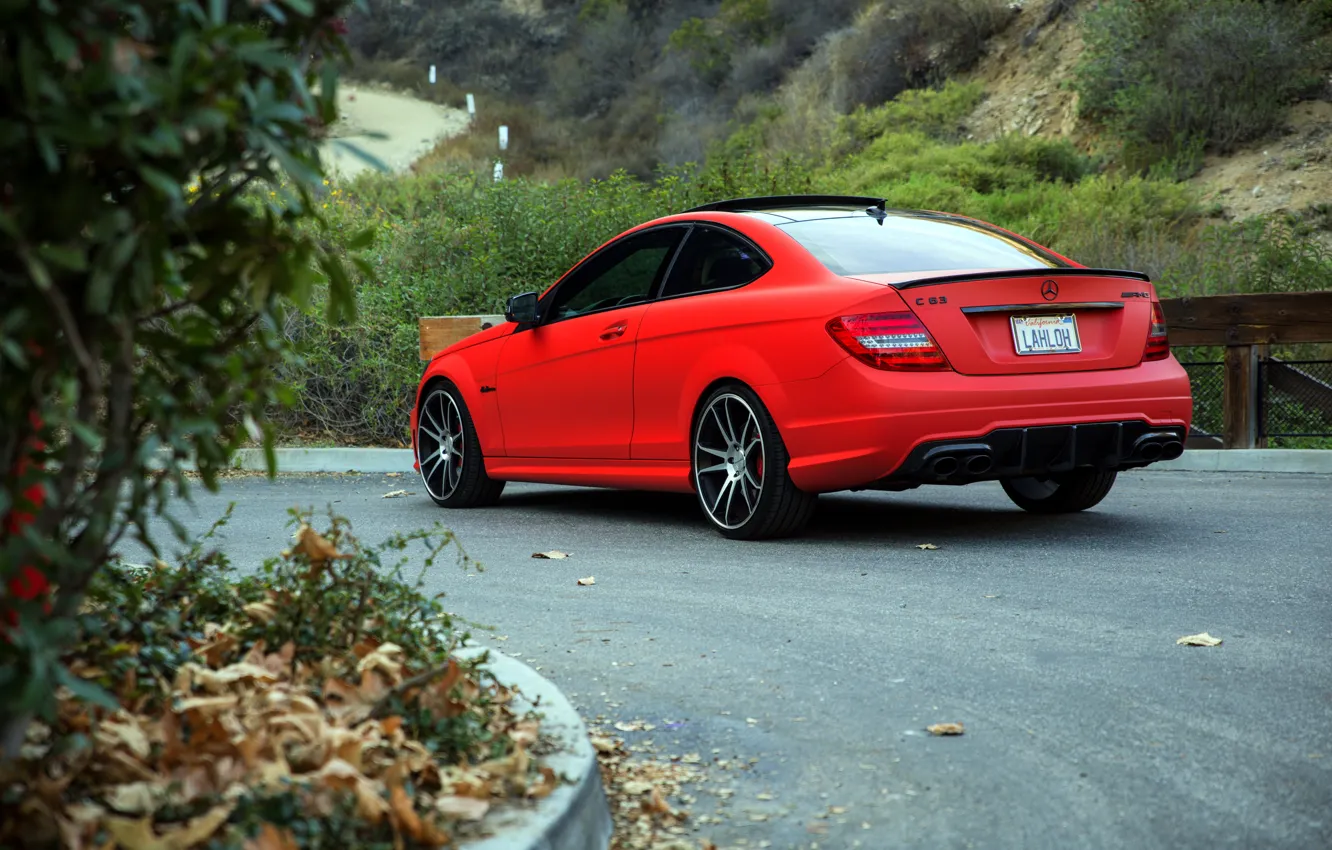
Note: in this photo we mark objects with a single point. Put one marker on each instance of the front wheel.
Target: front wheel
(740, 475)
(1064, 493)
(449, 452)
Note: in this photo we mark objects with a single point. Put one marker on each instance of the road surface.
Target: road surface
(824, 658)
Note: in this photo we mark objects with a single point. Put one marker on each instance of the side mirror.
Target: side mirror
(521, 308)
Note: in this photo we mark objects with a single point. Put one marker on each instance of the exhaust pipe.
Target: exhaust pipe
(979, 464)
(1150, 451)
(1171, 449)
(944, 466)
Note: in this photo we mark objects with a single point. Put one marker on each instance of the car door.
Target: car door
(698, 321)
(565, 384)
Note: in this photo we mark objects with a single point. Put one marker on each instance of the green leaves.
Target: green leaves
(143, 281)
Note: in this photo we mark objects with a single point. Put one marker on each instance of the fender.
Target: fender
(470, 368)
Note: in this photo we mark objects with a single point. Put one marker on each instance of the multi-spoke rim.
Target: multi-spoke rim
(729, 461)
(439, 444)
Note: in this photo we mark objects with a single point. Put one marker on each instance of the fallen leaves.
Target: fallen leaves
(1203, 639)
(396, 494)
(926, 546)
(240, 721)
(641, 791)
(946, 729)
(552, 555)
(587, 582)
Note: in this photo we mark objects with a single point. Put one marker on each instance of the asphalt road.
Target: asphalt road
(823, 658)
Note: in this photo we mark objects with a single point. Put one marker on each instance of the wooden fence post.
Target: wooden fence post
(1240, 397)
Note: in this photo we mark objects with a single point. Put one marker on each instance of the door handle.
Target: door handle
(613, 332)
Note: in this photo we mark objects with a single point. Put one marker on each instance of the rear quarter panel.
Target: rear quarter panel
(764, 334)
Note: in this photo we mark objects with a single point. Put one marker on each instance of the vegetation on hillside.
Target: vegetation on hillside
(863, 96)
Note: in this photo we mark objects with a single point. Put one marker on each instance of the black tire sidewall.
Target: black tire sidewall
(1078, 490)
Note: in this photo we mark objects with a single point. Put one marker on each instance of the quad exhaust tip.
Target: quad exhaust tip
(944, 466)
(979, 464)
(1171, 449)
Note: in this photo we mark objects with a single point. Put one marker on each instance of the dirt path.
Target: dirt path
(411, 128)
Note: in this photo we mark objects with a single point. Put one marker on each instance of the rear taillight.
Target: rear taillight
(888, 341)
(1158, 340)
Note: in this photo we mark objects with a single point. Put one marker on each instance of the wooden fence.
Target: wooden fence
(1246, 325)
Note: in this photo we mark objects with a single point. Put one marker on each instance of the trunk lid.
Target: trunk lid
(1068, 320)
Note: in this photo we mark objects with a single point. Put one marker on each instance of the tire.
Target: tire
(724, 463)
(1065, 493)
(457, 478)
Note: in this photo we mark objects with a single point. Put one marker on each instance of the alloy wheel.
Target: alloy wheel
(729, 461)
(439, 444)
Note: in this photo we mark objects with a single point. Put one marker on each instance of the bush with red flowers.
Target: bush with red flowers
(145, 269)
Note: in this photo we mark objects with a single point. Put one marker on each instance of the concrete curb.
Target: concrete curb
(328, 460)
(401, 460)
(1249, 460)
(576, 815)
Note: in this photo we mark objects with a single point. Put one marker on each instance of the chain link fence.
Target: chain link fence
(1296, 398)
(1207, 379)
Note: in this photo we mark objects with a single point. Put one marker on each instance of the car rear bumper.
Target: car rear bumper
(856, 427)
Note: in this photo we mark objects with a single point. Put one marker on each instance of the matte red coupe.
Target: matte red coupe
(758, 352)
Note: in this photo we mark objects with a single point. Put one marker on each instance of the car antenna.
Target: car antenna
(879, 211)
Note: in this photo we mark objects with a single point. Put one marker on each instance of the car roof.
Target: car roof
(784, 209)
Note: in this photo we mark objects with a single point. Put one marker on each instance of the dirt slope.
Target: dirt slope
(1026, 74)
(410, 128)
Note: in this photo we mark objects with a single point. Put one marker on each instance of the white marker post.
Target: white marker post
(504, 137)
(432, 75)
(471, 109)
(499, 171)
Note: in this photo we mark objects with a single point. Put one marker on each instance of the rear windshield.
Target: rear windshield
(905, 243)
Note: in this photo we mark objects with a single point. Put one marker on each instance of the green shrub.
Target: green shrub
(1171, 76)
(897, 45)
(141, 326)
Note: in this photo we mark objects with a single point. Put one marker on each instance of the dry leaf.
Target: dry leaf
(946, 729)
(136, 798)
(552, 555)
(462, 808)
(394, 494)
(926, 546)
(1203, 639)
(587, 582)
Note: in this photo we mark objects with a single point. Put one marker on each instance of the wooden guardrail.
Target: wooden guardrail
(1246, 325)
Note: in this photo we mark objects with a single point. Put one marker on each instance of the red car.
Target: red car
(758, 352)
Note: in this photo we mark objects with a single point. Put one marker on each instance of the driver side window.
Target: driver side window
(625, 273)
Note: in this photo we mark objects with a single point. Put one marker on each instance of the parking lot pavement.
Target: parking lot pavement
(823, 659)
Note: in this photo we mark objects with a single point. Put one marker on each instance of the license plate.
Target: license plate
(1046, 334)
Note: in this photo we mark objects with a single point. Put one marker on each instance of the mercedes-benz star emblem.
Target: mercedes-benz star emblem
(1049, 290)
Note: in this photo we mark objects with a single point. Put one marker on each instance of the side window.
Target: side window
(714, 259)
(624, 273)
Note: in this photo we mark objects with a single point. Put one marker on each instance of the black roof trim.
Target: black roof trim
(1043, 271)
(777, 202)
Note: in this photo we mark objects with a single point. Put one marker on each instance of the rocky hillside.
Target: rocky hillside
(592, 86)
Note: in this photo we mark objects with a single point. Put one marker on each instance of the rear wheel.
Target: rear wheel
(449, 453)
(1064, 493)
(739, 463)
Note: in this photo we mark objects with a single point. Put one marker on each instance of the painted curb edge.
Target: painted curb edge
(576, 816)
(372, 461)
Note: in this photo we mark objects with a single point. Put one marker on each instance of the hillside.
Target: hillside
(1024, 75)
(592, 86)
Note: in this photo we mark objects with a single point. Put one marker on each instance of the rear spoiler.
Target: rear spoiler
(1044, 271)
